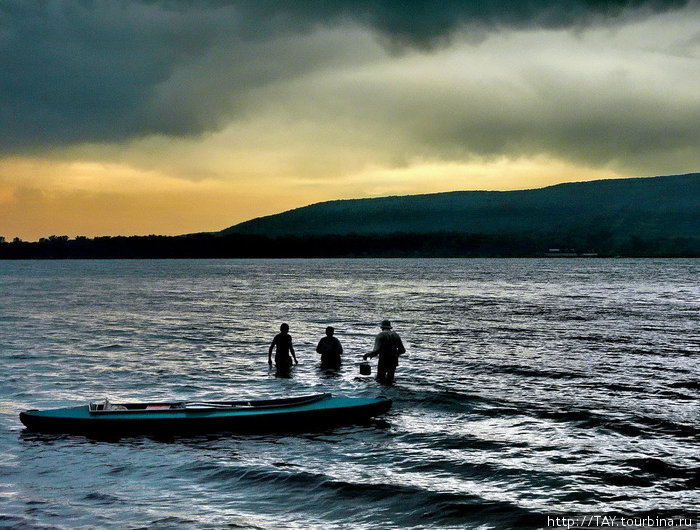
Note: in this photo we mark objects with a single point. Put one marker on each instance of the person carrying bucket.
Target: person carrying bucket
(388, 346)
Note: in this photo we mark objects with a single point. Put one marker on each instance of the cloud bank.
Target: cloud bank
(108, 71)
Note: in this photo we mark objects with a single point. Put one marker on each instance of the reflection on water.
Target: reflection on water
(530, 388)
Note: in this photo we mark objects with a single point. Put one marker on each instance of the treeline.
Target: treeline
(444, 244)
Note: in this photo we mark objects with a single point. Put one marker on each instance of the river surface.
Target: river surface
(531, 389)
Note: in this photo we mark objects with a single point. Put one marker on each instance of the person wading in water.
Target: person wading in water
(388, 346)
(283, 342)
(330, 349)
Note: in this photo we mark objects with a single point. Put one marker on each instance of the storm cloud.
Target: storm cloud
(110, 71)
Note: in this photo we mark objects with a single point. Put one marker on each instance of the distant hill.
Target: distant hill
(648, 217)
(652, 208)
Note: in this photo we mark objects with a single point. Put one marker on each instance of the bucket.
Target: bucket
(365, 369)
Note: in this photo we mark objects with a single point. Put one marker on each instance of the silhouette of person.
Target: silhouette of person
(388, 346)
(330, 349)
(283, 343)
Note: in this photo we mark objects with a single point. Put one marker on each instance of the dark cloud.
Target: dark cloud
(422, 23)
(113, 70)
(77, 71)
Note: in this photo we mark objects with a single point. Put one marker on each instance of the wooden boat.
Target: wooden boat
(303, 412)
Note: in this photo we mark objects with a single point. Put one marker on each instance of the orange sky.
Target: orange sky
(90, 199)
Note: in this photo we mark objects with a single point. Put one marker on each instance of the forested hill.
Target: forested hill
(650, 208)
(651, 217)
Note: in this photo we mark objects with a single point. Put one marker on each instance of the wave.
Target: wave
(493, 472)
(462, 442)
(662, 469)
(101, 498)
(442, 399)
(108, 347)
(535, 372)
(690, 385)
(18, 521)
(409, 504)
(647, 472)
(405, 503)
(173, 521)
(629, 425)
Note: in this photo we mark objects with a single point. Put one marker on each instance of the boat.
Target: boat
(301, 412)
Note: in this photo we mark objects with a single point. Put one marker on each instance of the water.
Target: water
(531, 389)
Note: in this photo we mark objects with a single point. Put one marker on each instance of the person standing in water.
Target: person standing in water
(283, 343)
(388, 346)
(330, 349)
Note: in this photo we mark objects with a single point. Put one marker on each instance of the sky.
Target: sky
(128, 117)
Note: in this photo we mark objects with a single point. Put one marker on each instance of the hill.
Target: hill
(649, 208)
(648, 217)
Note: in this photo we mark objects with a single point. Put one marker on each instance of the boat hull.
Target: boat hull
(327, 412)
